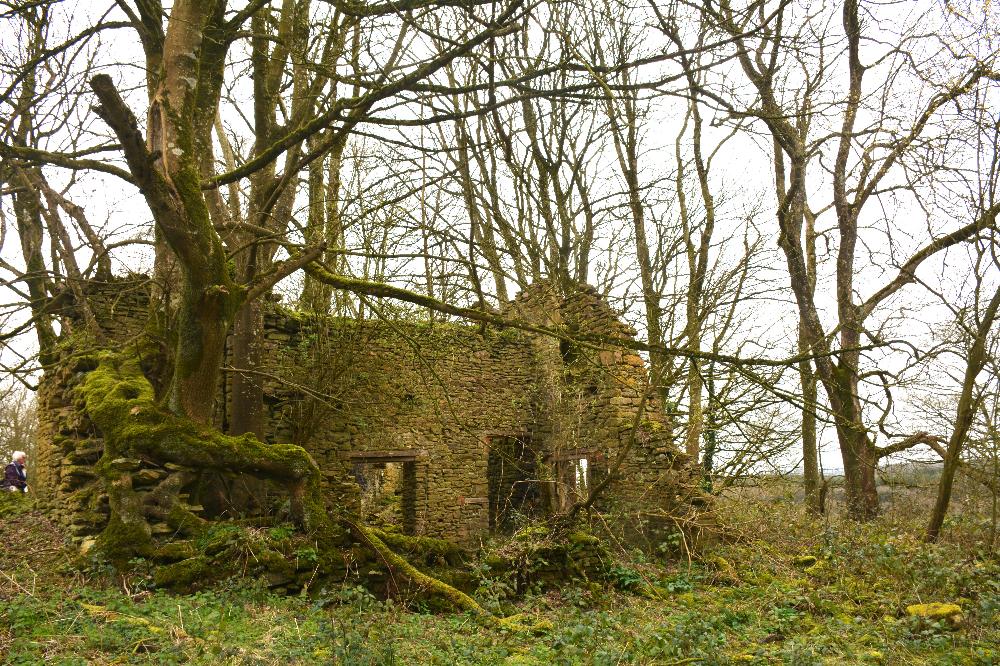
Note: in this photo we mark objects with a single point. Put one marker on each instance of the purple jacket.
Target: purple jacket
(14, 477)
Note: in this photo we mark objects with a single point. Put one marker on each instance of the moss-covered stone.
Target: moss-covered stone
(122, 541)
(724, 573)
(539, 555)
(950, 614)
(174, 551)
(816, 570)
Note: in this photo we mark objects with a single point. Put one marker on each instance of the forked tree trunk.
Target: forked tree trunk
(858, 452)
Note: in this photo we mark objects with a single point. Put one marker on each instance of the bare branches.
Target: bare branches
(159, 194)
(907, 272)
(37, 156)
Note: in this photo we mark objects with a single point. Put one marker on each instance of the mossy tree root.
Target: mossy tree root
(429, 585)
(120, 401)
(399, 567)
(421, 546)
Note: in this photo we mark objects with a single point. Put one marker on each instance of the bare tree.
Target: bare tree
(866, 163)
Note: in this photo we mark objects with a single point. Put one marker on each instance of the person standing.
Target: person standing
(15, 478)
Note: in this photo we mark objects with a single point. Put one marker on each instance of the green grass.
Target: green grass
(756, 607)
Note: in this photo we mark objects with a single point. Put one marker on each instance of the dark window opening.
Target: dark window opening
(567, 351)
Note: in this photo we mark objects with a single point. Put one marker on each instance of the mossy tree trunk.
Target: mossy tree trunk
(136, 429)
(170, 165)
(167, 166)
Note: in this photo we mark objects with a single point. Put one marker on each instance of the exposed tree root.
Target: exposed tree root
(457, 600)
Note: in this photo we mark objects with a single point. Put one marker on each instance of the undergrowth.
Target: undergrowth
(788, 589)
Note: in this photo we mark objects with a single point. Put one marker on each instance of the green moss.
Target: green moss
(122, 541)
(951, 613)
(817, 569)
(581, 538)
(725, 572)
(184, 574)
(219, 537)
(12, 504)
(174, 551)
(183, 521)
(420, 545)
(532, 533)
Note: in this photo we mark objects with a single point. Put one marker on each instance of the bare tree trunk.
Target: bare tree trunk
(852, 188)
(810, 449)
(28, 214)
(964, 415)
(799, 215)
(266, 209)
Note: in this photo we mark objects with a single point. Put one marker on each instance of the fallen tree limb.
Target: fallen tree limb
(459, 600)
(420, 546)
(398, 566)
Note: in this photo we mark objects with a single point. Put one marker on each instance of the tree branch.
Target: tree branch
(907, 272)
(921, 437)
(282, 270)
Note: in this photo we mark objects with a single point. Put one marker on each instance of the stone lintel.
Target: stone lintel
(404, 455)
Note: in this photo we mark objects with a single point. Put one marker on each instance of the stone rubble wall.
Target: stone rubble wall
(437, 391)
(596, 393)
(434, 395)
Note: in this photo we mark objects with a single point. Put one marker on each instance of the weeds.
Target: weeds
(846, 607)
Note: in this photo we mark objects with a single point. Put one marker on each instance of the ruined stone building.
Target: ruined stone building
(471, 425)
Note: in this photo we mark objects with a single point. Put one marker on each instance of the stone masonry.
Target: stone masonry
(484, 423)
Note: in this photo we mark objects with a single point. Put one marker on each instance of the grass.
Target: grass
(745, 601)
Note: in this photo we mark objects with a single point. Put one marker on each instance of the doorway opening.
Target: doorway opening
(513, 488)
(388, 483)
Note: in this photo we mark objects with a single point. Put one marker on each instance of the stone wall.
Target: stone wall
(444, 399)
(598, 403)
(429, 395)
